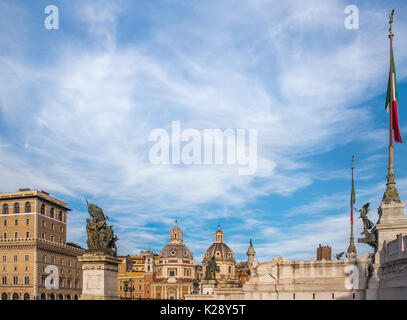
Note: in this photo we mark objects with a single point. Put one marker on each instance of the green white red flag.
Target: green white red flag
(391, 100)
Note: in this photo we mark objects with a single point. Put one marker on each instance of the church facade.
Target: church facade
(176, 272)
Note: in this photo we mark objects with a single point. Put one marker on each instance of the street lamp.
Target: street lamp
(128, 287)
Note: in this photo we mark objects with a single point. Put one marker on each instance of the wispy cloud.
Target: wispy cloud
(78, 125)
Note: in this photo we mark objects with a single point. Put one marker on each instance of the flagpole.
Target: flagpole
(391, 193)
(351, 248)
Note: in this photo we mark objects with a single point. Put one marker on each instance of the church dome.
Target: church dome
(176, 250)
(219, 250)
(175, 247)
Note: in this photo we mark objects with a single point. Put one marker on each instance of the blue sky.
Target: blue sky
(77, 106)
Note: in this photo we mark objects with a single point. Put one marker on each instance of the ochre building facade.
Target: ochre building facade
(33, 243)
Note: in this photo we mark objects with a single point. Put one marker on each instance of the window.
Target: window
(333, 295)
(27, 280)
(5, 209)
(27, 222)
(172, 273)
(52, 226)
(16, 208)
(16, 222)
(52, 238)
(27, 234)
(43, 235)
(15, 280)
(230, 269)
(27, 207)
(60, 216)
(51, 213)
(5, 235)
(43, 223)
(4, 280)
(5, 223)
(16, 235)
(313, 296)
(15, 258)
(4, 258)
(43, 209)
(44, 258)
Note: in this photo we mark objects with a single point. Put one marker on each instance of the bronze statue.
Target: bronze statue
(338, 256)
(101, 237)
(370, 237)
(211, 270)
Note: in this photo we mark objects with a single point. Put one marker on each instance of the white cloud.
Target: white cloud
(87, 116)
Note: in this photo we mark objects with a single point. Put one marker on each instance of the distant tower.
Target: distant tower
(324, 252)
(250, 252)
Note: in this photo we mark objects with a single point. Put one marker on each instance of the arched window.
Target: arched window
(51, 213)
(4, 296)
(60, 297)
(27, 207)
(43, 209)
(26, 296)
(68, 297)
(60, 216)
(15, 296)
(43, 296)
(5, 208)
(76, 297)
(16, 208)
(52, 296)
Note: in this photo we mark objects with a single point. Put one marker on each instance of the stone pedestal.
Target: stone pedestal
(99, 277)
(392, 221)
(208, 286)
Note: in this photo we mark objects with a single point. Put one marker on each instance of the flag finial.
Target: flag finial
(391, 34)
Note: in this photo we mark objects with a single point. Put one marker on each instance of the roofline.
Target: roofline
(34, 194)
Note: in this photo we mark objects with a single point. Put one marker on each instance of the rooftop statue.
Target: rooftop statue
(101, 237)
(370, 237)
(338, 256)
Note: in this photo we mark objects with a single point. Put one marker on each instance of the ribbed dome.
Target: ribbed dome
(176, 250)
(220, 251)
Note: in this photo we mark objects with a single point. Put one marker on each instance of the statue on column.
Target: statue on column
(211, 269)
(101, 237)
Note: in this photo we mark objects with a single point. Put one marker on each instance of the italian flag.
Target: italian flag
(352, 199)
(391, 100)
